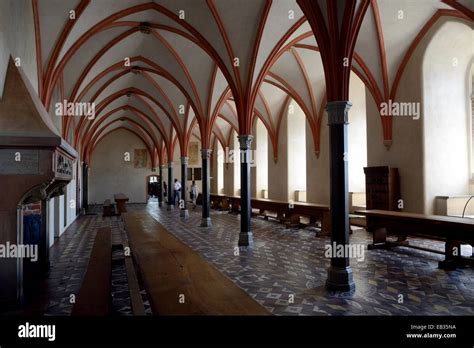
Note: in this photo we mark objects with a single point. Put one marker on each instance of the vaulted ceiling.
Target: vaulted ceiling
(168, 69)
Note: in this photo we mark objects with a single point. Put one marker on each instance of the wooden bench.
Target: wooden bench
(315, 212)
(454, 231)
(219, 201)
(136, 300)
(178, 280)
(287, 213)
(94, 297)
(121, 199)
(108, 208)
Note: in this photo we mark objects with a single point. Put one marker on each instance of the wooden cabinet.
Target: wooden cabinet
(382, 185)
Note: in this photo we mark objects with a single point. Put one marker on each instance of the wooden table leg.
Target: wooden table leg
(326, 224)
(121, 207)
(379, 234)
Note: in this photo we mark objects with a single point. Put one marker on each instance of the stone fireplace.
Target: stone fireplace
(36, 164)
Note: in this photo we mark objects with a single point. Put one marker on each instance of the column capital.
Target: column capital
(162, 166)
(170, 164)
(245, 141)
(184, 160)
(338, 112)
(206, 153)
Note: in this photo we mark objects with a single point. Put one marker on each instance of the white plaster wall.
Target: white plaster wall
(278, 171)
(357, 135)
(62, 211)
(406, 152)
(471, 126)
(260, 169)
(430, 161)
(232, 169)
(177, 163)
(296, 141)
(17, 38)
(61, 215)
(110, 174)
(220, 169)
(253, 168)
(446, 112)
(217, 180)
(317, 168)
(214, 168)
(228, 173)
(176, 167)
(236, 165)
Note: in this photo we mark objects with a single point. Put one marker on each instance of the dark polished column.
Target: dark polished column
(206, 185)
(160, 183)
(340, 271)
(85, 186)
(184, 184)
(170, 187)
(245, 236)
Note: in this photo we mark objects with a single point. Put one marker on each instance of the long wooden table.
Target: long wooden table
(94, 297)
(121, 199)
(454, 231)
(287, 212)
(178, 280)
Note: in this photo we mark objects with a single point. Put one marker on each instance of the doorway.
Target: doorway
(152, 187)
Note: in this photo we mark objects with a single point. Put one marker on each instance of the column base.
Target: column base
(184, 213)
(340, 279)
(246, 239)
(170, 207)
(206, 222)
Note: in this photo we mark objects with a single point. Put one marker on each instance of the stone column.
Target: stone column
(206, 182)
(340, 272)
(245, 236)
(160, 183)
(170, 186)
(184, 183)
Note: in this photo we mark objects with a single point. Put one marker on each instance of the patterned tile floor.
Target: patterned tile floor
(288, 265)
(69, 258)
(285, 271)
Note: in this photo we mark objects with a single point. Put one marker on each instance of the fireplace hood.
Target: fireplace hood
(24, 122)
(35, 165)
(30, 144)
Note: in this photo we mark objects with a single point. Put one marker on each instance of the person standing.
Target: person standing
(177, 191)
(194, 193)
